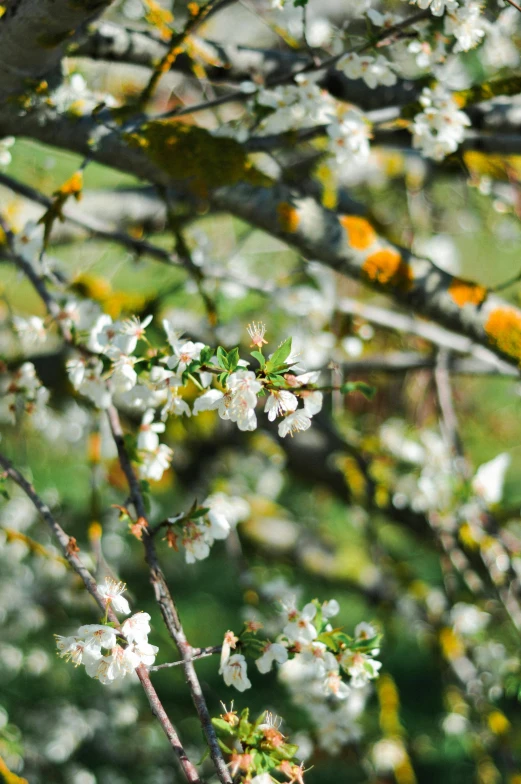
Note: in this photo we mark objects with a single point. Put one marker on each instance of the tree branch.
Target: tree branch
(75, 562)
(34, 35)
(166, 602)
(349, 245)
(157, 578)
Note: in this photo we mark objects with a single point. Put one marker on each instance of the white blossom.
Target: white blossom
(31, 331)
(147, 438)
(234, 672)
(279, 403)
(111, 592)
(273, 652)
(183, 355)
(440, 128)
(467, 24)
(374, 71)
(155, 462)
(468, 619)
(137, 627)
(123, 375)
(490, 477)
(361, 667)
(294, 423)
(300, 627)
(437, 7)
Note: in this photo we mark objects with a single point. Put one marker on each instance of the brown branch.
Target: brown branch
(310, 67)
(75, 562)
(34, 35)
(157, 578)
(166, 602)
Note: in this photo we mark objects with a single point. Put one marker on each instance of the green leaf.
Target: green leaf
(3, 490)
(233, 359)
(206, 354)
(369, 645)
(244, 728)
(328, 638)
(358, 386)
(259, 356)
(300, 3)
(224, 747)
(199, 513)
(222, 378)
(280, 355)
(206, 754)
(223, 726)
(222, 357)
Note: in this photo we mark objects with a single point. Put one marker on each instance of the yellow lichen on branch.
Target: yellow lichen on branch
(387, 267)
(360, 233)
(464, 292)
(159, 17)
(192, 155)
(503, 328)
(8, 777)
(288, 217)
(70, 188)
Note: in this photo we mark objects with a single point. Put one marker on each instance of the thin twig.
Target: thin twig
(197, 653)
(90, 584)
(166, 602)
(446, 403)
(157, 578)
(310, 67)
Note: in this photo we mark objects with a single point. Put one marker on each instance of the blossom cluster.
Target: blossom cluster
(257, 749)
(327, 672)
(22, 390)
(308, 637)
(110, 654)
(160, 381)
(440, 128)
(197, 530)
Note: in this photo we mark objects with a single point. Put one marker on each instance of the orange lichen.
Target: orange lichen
(463, 292)
(288, 217)
(503, 327)
(360, 233)
(387, 267)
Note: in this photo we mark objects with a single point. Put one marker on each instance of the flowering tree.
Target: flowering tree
(238, 283)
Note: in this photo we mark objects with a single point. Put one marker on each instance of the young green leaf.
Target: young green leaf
(280, 356)
(259, 356)
(358, 386)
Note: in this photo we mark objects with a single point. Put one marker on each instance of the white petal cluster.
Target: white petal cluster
(31, 331)
(235, 672)
(112, 591)
(440, 128)
(317, 677)
(199, 534)
(437, 7)
(349, 138)
(107, 654)
(298, 419)
(237, 403)
(375, 71)
(330, 678)
(22, 390)
(5, 145)
(295, 106)
(155, 458)
(467, 25)
(116, 340)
